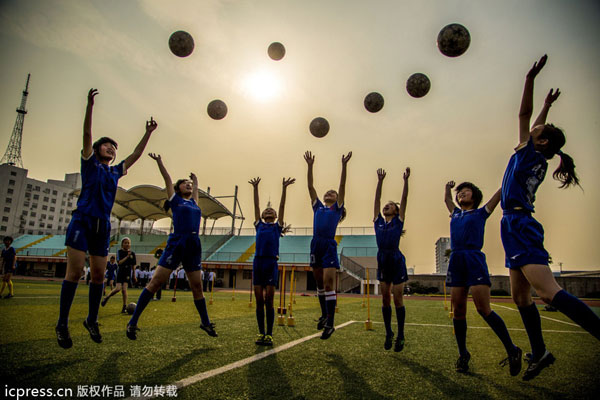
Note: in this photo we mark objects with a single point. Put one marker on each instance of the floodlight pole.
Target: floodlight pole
(234, 210)
(204, 224)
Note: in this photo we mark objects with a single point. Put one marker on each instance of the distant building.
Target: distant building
(29, 206)
(442, 247)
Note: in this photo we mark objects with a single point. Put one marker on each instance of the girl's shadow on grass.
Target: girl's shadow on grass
(267, 380)
(355, 386)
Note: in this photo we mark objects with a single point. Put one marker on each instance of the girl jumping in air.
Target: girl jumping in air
(183, 247)
(523, 236)
(323, 247)
(89, 229)
(264, 267)
(467, 268)
(391, 264)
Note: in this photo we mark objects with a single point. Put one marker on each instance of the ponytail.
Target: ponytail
(565, 173)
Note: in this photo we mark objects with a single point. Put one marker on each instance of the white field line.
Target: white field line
(551, 319)
(217, 371)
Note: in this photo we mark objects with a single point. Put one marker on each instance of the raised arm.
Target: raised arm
(310, 160)
(286, 182)
(448, 196)
(164, 173)
(194, 180)
(550, 98)
(87, 125)
(526, 109)
(254, 182)
(342, 189)
(402, 211)
(139, 149)
(377, 205)
(493, 202)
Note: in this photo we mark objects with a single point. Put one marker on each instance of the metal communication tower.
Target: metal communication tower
(12, 156)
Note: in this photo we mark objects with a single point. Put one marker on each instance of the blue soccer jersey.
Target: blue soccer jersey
(467, 228)
(267, 239)
(99, 187)
(387, 234)
(326, 219)
(110, 270)
(524, 174)
(186, 215)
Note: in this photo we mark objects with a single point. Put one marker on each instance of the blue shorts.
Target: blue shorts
(391, 266)
(87, 233)
(182, 249)
(523, 240)
(323, 253)
(265, 271)
(467, 268)
(110, 277)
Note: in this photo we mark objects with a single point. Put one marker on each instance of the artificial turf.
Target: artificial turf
(352, 364)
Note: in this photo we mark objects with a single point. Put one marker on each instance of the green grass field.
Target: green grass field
(352, 364)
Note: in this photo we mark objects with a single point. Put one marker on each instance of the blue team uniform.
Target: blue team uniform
(323, 247)
(8, 257)
(89, 229)
(110, 271)
(522, 235)
(467, 265)
(264, 267)
(183, 245)
(391, 264)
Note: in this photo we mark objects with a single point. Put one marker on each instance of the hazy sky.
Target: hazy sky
(337, 52)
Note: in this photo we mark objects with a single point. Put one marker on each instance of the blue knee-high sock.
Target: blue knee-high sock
(330, 300)
(401, 316)
(387, 319)
(201, 307)
(260, 318)
(460, 331)
(578, 311)
(142, 302)
(67, 294)
(533, 325)
(270, 320)
(322, 303)
(499, 327)
(95, 296)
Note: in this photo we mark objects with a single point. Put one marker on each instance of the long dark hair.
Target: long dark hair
(167, 203)
(565, 173)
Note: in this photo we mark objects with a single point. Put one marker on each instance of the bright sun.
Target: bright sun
(261, 85)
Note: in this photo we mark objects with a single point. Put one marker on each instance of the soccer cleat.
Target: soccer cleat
(327, 332)
(399, 346)
(462, 364)
(260, 339)
(124, 310)
(268, 341)
(535, 367)
(93, 330)
(63, 337)
(103, 302)
(321, 322)
(209, 329)
(132, 331)
(514, 361)
(8, 296)
(388, 341)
